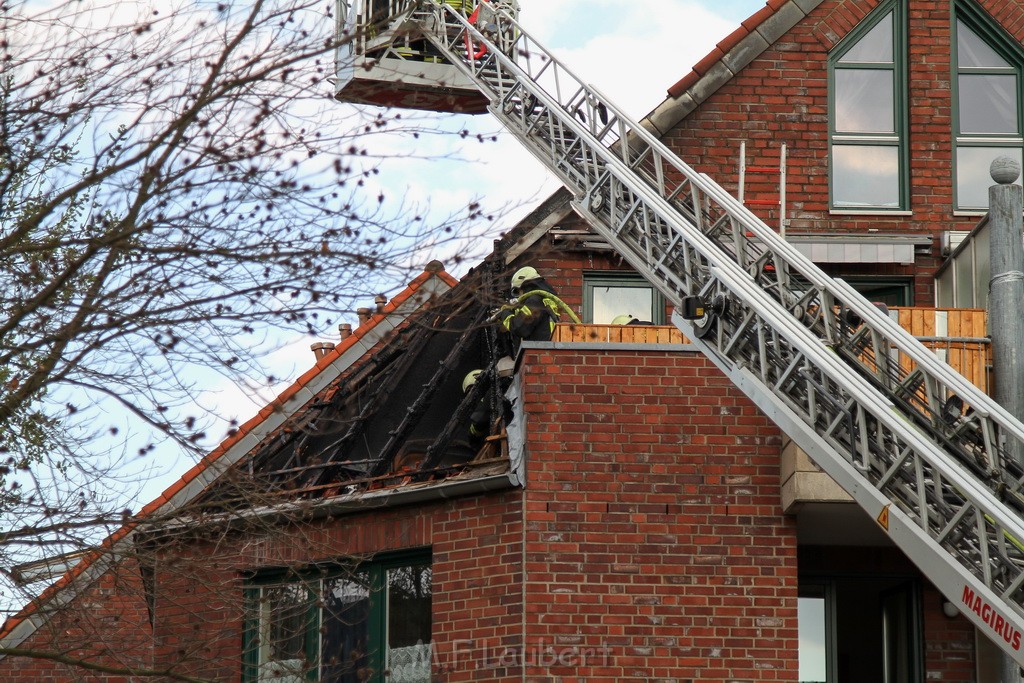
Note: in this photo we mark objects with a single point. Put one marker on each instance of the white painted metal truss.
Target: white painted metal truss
(918, 446)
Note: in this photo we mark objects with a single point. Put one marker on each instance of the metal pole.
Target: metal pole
(1005, 301)
(743, 171)
(782, 191)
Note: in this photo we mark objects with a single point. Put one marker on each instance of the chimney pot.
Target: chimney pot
(320, 349)
(381, 301)
(364, 314)
(345, 330)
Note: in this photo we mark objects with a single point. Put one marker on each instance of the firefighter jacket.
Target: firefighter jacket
(534, 317)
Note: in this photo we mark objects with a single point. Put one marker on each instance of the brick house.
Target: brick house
(632, 516)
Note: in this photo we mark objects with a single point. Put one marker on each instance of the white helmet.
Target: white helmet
(524, 274)
(623, 319)
(470, 379)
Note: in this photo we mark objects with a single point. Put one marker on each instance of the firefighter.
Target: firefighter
(480, 418)
(627, 319)
(535, 308)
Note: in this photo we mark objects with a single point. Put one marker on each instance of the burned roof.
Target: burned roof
(397, 416)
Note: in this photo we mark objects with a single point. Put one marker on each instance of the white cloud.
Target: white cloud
(644, 46)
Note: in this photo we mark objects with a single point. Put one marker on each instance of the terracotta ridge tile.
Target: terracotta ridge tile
(712, 58)
(702, 67)
(733, 39)
(684, 84)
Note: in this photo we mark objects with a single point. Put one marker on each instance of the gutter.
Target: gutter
(344, 505)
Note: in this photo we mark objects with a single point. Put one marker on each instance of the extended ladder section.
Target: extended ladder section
(920, 448)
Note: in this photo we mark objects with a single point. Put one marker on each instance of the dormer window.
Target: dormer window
(987, 115)
(867, 88)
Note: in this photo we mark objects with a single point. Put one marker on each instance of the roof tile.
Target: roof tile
(684, 84)
(712, 58)
(733, 39)
(755, 19)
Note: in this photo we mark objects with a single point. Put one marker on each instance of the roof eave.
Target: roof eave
(755, 35)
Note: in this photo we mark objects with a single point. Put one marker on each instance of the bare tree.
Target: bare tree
(177, 186)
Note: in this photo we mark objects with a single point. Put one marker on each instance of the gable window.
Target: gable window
(609, 294)
(987, 115)
(367, 623)
(867, 143)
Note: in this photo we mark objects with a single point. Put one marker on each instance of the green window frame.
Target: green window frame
(867, 88)
(816, 632)
(889, 291)
(340, 623)
(987, 115)
(606, 294)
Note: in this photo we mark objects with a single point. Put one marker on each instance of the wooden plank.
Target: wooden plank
(917, 322)
(928, 323)
(956, 323)
(616, 334)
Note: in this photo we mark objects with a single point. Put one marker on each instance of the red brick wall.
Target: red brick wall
(476, 544)
(476, 549)
(108, 626)
(782, 97)
(655, 544)
(949, 643)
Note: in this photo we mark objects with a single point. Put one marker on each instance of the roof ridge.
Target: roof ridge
(735, 52)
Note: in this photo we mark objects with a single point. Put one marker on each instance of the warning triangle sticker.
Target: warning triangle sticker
(883, 518)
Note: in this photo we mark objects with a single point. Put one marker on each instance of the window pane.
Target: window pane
(972, 173)
(284, 619)
(610, 301)
(897, 637)
(811, 632)
(964, 283)
(864, 101)
(409, 596)
(988, 103)
(865, 175)
(972, 51)
(982, 269)
(876, 46)
(346, 629)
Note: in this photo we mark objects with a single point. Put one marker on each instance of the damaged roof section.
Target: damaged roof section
(379, 420)
(397, 417)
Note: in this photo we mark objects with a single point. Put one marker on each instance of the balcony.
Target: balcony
(956, 335)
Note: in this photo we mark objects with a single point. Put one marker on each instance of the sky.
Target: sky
(631, 50)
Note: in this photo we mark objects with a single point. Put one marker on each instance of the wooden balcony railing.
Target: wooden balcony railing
(956, 335)
(620, 334)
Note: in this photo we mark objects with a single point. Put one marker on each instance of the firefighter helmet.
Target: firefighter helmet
(523, 275)
(470, 379)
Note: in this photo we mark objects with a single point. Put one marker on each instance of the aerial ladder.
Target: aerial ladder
(914, 443)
